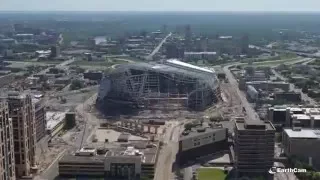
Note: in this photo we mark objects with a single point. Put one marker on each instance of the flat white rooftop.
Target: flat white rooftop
(200, 53)
(301, 116)
(54, 118)
(187, 65)
(295, 109)
(303, 133)
(314, 111)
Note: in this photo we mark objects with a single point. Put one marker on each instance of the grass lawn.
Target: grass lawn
(271, 63)
(210, 174)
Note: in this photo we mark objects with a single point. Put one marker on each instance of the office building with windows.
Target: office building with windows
(201, 140)
(24, 135)
(253, 147)
(7, 165)
(132, 160)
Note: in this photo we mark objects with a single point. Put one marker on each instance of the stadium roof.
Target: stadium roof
(187, 65)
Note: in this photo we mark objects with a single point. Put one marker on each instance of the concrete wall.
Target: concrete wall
(303, 148)
(203, 139)
(123, 160)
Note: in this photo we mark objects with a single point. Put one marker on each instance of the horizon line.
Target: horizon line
(159, 11)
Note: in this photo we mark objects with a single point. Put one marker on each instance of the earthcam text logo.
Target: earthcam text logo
(274, 170)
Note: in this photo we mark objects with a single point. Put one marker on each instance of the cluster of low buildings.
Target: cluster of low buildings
(300, 131)
(191, 48)
(262, 88)
(24, 42)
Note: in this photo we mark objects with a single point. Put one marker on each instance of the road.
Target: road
(168, 152)
(62, 65)
(150, 56)
(304, 96)
(251, 113)
(284, 51)
(90, 123)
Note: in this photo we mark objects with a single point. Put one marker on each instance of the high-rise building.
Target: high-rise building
(21, 112)
(245, 44)
(188, 37)
(165, 29)
(40, 118)
(7, 165)
(253, 148)
(173, 51)
(55, 51)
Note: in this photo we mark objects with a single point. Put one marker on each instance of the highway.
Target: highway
(62, 65)
(284, 51)
(150, 56)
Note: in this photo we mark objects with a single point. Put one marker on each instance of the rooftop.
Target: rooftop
(225, 37)
(187, 65)
(200, 129)
(43, 52)
(16, 95)
(191, 53)
(249, 125)
(173, 67)
(302, 133)
(147, 150)
(269, 82)
(301, 116)
(54, 118)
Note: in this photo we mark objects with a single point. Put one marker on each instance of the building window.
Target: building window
(17, 158)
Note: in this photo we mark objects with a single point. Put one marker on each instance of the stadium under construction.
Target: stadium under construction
(171, 83)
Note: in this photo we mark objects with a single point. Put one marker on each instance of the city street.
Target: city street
(251, 113)
(168, 152)
(304, 96)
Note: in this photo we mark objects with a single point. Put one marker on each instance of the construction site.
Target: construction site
(173, 84)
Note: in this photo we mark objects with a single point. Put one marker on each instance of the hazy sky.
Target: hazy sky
(160, 5)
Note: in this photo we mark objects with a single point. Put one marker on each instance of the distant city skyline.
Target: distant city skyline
(160, 5)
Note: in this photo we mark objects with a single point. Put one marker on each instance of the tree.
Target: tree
(63, 100)
(305, 89)
(80, 70)
(188, 126)
(278, 137)
(76, 84)
(316, 176)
